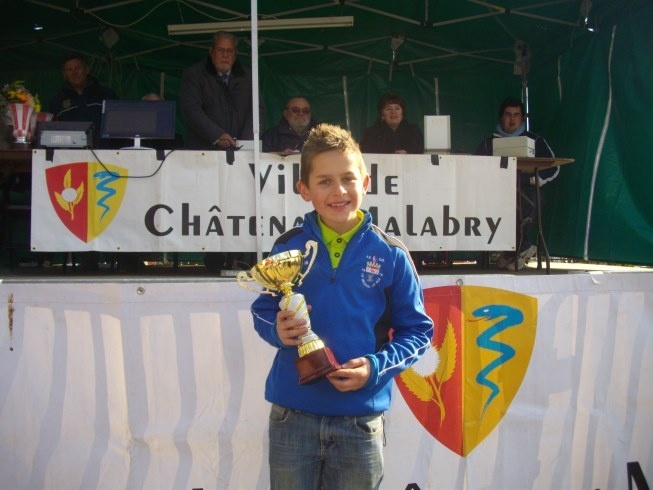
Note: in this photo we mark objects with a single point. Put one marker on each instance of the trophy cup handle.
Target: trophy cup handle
(243, 277)
(311, 247)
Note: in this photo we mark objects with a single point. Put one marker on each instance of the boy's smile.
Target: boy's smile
(336, 189)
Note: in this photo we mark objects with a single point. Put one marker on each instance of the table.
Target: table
(533, 165)
(19, 160)
(12, 161)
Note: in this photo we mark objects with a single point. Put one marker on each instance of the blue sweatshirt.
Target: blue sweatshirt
(375, 288)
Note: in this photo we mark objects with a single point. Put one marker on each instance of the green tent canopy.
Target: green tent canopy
(584, 67)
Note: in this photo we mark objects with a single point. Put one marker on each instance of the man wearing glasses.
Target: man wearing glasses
(289, 135)
(216, 98)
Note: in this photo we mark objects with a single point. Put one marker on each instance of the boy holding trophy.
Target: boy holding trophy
(331, 379)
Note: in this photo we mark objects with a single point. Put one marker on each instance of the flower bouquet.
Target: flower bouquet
(19, 109)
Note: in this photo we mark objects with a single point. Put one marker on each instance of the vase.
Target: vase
(20, 116)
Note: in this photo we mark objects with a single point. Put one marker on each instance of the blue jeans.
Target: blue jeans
(313, 452)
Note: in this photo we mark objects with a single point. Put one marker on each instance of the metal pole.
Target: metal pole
(345, 92)
(256, 123)
(527, 118)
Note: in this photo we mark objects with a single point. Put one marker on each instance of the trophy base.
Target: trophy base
(315, 365)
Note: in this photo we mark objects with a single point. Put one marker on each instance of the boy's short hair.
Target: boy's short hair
(327, 137)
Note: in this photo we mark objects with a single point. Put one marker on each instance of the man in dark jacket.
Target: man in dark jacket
(290, 134)
(216, 98)
(511, 124)
(82, 95)
(81, 99)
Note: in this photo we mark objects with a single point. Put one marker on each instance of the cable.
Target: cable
(147, 14)
(118, 176)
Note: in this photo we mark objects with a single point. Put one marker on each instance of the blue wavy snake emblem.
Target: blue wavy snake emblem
(510, 317)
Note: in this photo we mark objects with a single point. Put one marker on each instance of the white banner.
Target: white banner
(139, 384)
(193, 201)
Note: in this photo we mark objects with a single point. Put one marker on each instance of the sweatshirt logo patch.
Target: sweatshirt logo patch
(371, 274)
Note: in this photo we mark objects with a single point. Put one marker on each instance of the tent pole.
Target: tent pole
(526, 104)
(522, 67)
(256, 124)
(345, 93)
(436, 83)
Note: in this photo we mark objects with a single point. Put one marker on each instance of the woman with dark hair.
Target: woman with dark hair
(391, 132)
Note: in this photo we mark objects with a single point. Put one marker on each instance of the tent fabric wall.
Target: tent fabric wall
(612, 72)
(568, 86)
(627, 172)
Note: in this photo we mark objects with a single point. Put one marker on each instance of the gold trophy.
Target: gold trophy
(280, 272)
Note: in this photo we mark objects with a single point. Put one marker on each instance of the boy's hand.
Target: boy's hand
(290, 329)
(352, 375)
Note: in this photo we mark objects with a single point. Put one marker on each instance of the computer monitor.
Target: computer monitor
(138, 119)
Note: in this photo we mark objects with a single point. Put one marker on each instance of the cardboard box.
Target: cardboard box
(437, 134)
(516, 146)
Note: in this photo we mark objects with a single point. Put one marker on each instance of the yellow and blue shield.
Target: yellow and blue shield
(484, 339)
(86, 196)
